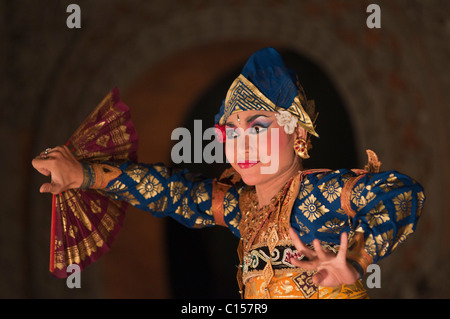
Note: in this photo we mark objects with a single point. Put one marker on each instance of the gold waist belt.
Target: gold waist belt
(271, 276)
(298, 285)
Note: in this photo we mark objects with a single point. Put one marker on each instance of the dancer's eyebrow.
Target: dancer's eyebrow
(254, 117)
(248, 120)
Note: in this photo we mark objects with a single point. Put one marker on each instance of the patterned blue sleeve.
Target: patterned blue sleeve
(162, 191)
(388, 206)
(385, 209)
(165, 192)
(231, 210)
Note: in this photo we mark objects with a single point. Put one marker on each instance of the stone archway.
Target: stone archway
(379, 74)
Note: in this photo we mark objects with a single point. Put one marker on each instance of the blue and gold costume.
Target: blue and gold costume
(378, 210)
(386, 208)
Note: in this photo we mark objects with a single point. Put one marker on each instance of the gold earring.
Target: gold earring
(301, 148)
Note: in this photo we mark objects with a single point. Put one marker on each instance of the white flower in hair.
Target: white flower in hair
(287, 120)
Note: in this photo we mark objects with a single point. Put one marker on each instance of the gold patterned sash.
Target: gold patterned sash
(299, 285)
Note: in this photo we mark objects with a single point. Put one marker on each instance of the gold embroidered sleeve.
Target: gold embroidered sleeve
(155, 188)
(97, 175)
(379, 210)
(225, 195)
(385, 208)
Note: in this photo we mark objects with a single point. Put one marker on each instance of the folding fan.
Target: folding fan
(86, 221)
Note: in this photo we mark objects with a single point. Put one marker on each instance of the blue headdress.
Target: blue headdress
(265, 83)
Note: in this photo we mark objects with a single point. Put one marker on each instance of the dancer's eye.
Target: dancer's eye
(260, 127)
(231, 133)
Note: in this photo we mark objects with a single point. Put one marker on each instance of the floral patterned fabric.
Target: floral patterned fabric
(387, 204)
(387, 207)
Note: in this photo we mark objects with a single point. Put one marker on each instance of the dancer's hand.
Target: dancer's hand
(332, 269)
(65, 170)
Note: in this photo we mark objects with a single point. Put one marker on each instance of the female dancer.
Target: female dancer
(303, 233)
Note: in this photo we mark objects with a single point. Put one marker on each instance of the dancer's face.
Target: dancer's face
(257, 146)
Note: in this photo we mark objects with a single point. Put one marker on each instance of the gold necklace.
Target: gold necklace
(255, 217)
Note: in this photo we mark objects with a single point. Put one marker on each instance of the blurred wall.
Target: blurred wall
(162, 55)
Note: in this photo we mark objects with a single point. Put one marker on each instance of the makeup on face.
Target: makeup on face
(255, 124)
(247, 164)
(257, 146)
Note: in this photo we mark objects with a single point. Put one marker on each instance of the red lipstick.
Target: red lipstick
(247, 164)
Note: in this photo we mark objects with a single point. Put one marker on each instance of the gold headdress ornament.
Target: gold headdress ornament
(244, 96)
(266, 70)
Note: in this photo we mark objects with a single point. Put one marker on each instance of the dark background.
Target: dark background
(383, 89)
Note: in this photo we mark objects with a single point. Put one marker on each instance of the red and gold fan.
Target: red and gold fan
(86, 221)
